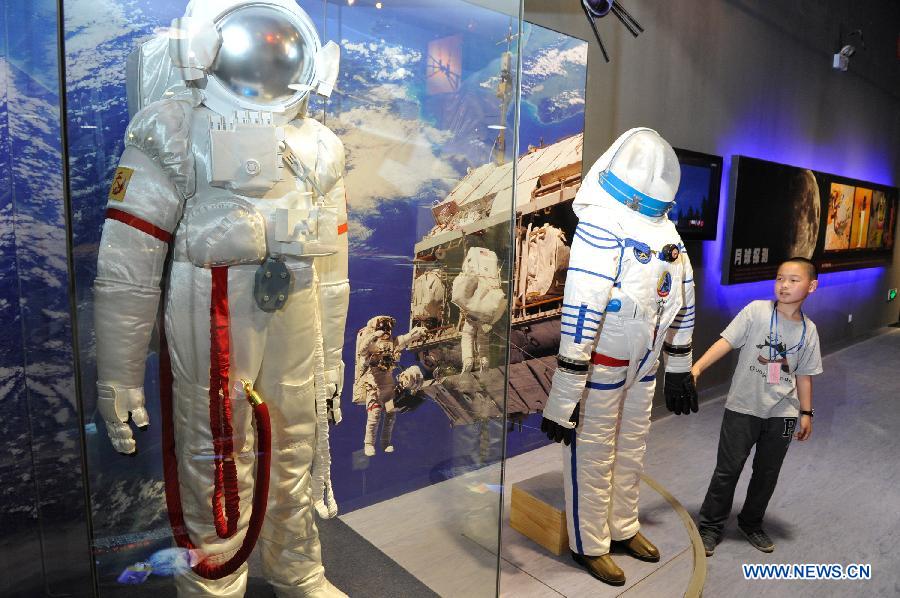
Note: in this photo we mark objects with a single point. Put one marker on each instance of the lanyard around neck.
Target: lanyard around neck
(773, 330)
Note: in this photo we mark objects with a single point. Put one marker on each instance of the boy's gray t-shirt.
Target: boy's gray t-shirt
(761, 340)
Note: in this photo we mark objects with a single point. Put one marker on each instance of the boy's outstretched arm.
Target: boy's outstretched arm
(804, 393)
(719, 349)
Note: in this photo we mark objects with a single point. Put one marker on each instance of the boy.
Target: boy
(771, 387)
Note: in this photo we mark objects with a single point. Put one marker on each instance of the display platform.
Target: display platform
(422, 528)
(536, 572)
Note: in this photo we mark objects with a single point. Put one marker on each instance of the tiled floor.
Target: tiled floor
(837, 501)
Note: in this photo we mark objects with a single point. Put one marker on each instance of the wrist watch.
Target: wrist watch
(811, 412)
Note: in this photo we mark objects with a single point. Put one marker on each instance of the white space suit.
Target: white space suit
(629, 291)
(476, 291)
(377, 355)
(227, 174)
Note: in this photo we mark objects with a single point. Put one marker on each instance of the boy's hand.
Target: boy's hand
(804, 430)
(695, 374)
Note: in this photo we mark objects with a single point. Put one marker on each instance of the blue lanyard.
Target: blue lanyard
(773, 329)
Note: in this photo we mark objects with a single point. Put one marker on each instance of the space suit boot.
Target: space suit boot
(327, 591)
(628, 300)
(233, 198)
(639, 547)
(602, 567)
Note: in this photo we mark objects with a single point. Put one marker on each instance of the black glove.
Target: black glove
(558, 433)
(681, 395)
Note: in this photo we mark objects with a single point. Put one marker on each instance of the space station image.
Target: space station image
(461, 288)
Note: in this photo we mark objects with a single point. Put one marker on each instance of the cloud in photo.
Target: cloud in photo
(385, 62)
(390, 158)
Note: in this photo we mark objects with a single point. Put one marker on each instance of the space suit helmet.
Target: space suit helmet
(639, 171)
(258, 55)
(382, 323)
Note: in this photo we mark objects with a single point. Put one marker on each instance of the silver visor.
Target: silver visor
(262, 53)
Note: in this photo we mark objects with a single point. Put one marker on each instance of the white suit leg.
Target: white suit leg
(373, 417)
(482, 345)
(629, 463)
(269, 349)
(467, 345)
(289, 541)
(588, 462)
(387, 428)
(188, 334)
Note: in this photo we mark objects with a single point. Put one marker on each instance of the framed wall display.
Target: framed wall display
(696, 210)
(779, 211)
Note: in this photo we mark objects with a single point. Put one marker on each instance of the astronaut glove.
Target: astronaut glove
(115, 405)
(418, 333)
(564, 396)
(558, 433)
(411, 379)
(681, 395)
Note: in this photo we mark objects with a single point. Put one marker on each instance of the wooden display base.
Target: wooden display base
(538, 511)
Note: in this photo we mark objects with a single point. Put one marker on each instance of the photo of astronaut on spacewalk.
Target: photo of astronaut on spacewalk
(460, 303)
(375, 385)
(477, 292)
(462, 290)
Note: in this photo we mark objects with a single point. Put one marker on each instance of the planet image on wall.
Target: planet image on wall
(805, 209)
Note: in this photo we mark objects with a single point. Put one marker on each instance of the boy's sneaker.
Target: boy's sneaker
(759, 539)
(709, 541)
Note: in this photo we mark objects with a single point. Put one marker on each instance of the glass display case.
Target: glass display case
(453, 132)
(426, 92)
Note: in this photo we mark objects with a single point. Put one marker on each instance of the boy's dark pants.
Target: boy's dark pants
(738, 435)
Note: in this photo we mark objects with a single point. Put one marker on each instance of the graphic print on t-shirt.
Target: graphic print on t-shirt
(772, 349)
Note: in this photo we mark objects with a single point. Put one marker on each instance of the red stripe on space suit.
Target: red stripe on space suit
(225, 476)
(139, 224)
(598, 359)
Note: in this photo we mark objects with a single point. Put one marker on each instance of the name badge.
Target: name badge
(774, 373)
